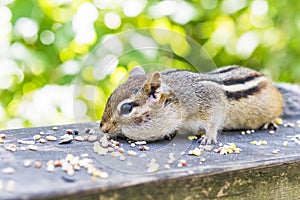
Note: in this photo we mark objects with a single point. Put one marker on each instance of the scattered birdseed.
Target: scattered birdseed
(42, 140)
(26, 141)
(122, 158)
(243, 132)
(50, 167)
(11, 147)
(202, 160)
(36, 137)
(51, 138)
(37, 164)
(132, 144)
(42, 133)
(289, 124)
(131, 153)
(140, 142)
(76, 132)
(32, 147)
(121, 150)
(3, 136)
(206, 147)
(271, 131)
(167, 166)
(66, 140)
(70, 131)
(55, 128)
(275, 151)
(182, 162)
(27, 163)
(260, 142)
(79, 138)
(8, 170)
(278, 121)
(92, 138)
(192, 137)
(285, 143)
(248, 131)
(195, 152)
(228, 149)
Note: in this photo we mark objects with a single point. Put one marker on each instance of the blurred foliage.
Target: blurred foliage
(44, 43)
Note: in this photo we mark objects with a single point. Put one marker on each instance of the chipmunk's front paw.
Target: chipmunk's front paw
(204, 140)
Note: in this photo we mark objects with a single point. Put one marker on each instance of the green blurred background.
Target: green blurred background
(43, 44)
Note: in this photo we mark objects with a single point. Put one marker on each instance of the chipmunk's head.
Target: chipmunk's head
(143, 108)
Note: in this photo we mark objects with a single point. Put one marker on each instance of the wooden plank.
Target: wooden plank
(256, 172)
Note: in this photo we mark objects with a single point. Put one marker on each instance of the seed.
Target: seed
(57, 163)
(87, 130)
(55, 128)
(8, 170)
(202, 159)
(278, 121)
(51, 138)
(248, 131)
(140, 142)
(271, 131)
(11, 147)
(50, 168)
(192, 137)
(131, 153)
(32, 147)
(42, 140)
(243, 132)
(38, 164)
(66, 140)
(92, 138)
(75, 131)
(36, 137)
(79, 138)
(285, 143)
(3, 136)
(69, 157)
(122, 158)
(132, 145)
(167, 166)
(27, 163)
(70, 131)
(42, 133)
(26, 141)
(121, 150)
(1, 140)
(275, 151)
(183, 162)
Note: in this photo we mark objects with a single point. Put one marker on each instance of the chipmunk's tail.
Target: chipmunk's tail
(291, 98)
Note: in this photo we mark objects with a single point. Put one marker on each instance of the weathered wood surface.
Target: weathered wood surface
(257, 172)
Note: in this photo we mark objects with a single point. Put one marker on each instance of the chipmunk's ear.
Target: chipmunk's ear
(152, 84)
(136, 71)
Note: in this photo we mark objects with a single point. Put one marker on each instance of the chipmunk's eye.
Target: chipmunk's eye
(126, 108)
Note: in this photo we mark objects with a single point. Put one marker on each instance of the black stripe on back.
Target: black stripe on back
(222, 71)
(245, 93)
(240, 80)
(171, 71)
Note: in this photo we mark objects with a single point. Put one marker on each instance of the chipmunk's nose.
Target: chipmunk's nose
(104, 127)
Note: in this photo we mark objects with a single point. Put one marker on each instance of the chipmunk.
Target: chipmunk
(154, 106)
